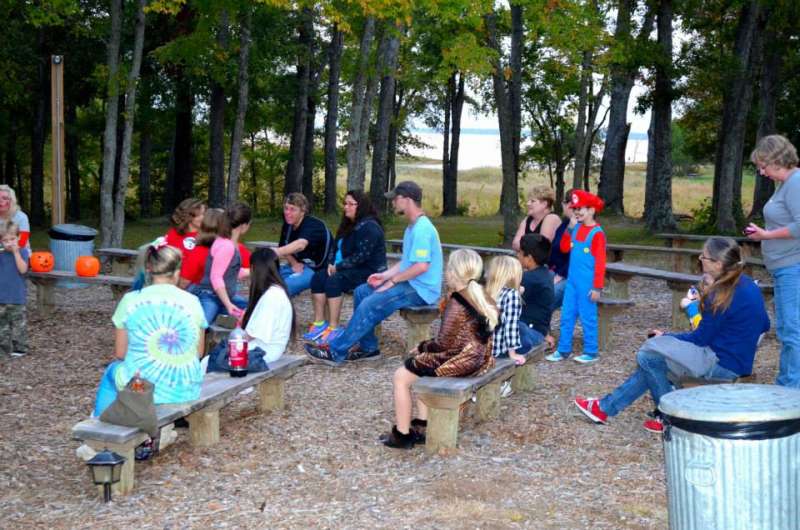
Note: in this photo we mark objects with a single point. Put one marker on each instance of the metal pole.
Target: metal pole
(57, 139)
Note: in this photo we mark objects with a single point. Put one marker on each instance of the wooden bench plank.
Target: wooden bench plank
(46, 282)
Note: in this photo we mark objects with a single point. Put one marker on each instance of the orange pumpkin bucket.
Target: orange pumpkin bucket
(87, 266)
(42, 261)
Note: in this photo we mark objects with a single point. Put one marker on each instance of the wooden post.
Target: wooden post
(524, 379)
(618, 285)
(679, 319)
(489, 401)
(442, 430)
(271, 395)
(419, 326)
(604, 315)
(57, 113)
(204, 427)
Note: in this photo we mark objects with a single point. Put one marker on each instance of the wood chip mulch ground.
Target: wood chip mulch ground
(319, 463)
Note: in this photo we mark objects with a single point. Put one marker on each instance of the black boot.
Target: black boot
(419, 427)
(399, 440)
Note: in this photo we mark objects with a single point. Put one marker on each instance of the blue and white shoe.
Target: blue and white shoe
(556, 356)
(587, 358)
(315, 332)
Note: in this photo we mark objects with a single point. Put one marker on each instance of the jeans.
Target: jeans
(787, 323)
(558, 293)
(529, 337)
(212, 305)
(371, 308)
(650, 375)
(218, 359)
(342, 282)
(107, 390)
(296, 282)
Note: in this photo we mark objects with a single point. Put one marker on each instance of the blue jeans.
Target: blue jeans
(296, 283)
(529, 337)
(558, 293)
(787, 323)
(650, 375)
(370, 309)
(212, 305)
(107, 390)
(218, 359)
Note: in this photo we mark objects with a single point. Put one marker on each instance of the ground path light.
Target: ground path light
(106, 467)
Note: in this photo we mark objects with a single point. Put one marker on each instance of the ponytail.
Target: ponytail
(482, 304)
(720, 293)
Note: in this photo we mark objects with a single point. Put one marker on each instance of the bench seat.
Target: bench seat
(46, 282)
(444, 396)
(202, 414)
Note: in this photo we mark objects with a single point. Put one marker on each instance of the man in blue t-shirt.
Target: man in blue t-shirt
(415, 280)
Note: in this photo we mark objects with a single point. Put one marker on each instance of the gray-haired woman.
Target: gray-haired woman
(776, 159)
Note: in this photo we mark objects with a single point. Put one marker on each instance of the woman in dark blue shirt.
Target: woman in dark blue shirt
(360, 250)
(722, 347)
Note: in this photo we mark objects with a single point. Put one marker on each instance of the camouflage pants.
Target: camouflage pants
(13, 328)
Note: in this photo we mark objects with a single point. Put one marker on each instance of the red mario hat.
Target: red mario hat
(584, 199)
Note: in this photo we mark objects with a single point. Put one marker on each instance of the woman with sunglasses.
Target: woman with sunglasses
(776, 159)
(722, 347)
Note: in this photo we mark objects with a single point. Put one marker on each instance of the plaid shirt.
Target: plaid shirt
(506, 334)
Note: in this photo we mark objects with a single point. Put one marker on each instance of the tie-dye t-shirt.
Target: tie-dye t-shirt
(164, 325)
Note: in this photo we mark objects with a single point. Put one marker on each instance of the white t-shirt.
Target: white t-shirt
(270, 325)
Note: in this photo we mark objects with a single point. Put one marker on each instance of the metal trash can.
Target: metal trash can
(67, 243)
(732, 455)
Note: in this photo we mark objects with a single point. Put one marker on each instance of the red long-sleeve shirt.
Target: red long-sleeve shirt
(597, 249)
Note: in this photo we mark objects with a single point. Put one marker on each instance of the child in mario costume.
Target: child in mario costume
(586, 244)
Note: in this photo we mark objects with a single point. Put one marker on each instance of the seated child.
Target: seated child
(503, 280)
(537, 291)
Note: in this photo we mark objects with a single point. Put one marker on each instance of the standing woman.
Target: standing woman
(9, 211)
(540, 219)
(360, 251)
(776, 158)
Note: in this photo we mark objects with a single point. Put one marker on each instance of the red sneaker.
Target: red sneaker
(655, 425)
(591, 408)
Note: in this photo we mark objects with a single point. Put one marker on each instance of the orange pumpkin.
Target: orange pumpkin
(42, 261)
(87, 266)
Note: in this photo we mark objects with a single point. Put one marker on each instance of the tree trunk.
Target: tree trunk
(216, 119)
(504, 101)
(612, 169)
(450, 184)
(308, 146)
(354, 141)
(448, 109)
(379, 180)
(181, 163)
(769, 88)
(737, 96)
(11, 155)
(39, 135)
(332, 117)
(145, 155)
(73, 167)
(394, 131)
(253, 174)
(241, 106)
(658, 187)
(110, 133)
(294, 167)
(580, 128)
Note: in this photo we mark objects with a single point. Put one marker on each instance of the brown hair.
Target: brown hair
(297, 199)
(239, 214)
(185, 212)
(727, 252)
(774, 149)
(215, 224)
(8, 227)
(543, 193)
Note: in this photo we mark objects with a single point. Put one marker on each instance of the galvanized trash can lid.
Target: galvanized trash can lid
(742, 411)
(72, 232)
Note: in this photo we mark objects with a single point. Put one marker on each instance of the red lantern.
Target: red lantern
(87, 266)
(42, 261)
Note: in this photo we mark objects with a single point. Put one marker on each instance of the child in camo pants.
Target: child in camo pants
(13, 291)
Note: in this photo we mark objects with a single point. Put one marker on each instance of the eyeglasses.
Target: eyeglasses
(706, 258)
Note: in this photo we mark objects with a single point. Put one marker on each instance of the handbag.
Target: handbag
(134, 408)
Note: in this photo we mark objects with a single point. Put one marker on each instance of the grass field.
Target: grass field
(479, 193)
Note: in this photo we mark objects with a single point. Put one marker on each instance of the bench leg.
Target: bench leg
(204, 427)
(618, 286)
(271, 395)
(126, 479)
(418, 328)
(524, 379)
(45, 297)
(489, 401)
(442, 430)
(118, 291)
(121, 268)
(679, 319)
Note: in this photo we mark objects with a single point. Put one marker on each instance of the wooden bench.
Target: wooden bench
(749, 247)
(123, 260)
(444, 396)
(620, 274)
(46, 282)
(682, 259)
(607, 309)
(202, 414)
(418, 323)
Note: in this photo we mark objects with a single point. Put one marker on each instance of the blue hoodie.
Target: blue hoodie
(733, 333)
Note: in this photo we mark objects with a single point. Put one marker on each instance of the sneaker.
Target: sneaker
(356, 354)
(556, 356)
(586, 358)
(655, 425)
(398, 440)
(18, 353)
(320, 354)
(315, 332)
(505, 389)
(591, 408)
(329, 335)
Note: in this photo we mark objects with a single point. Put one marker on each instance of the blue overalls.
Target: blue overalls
(576, 295)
